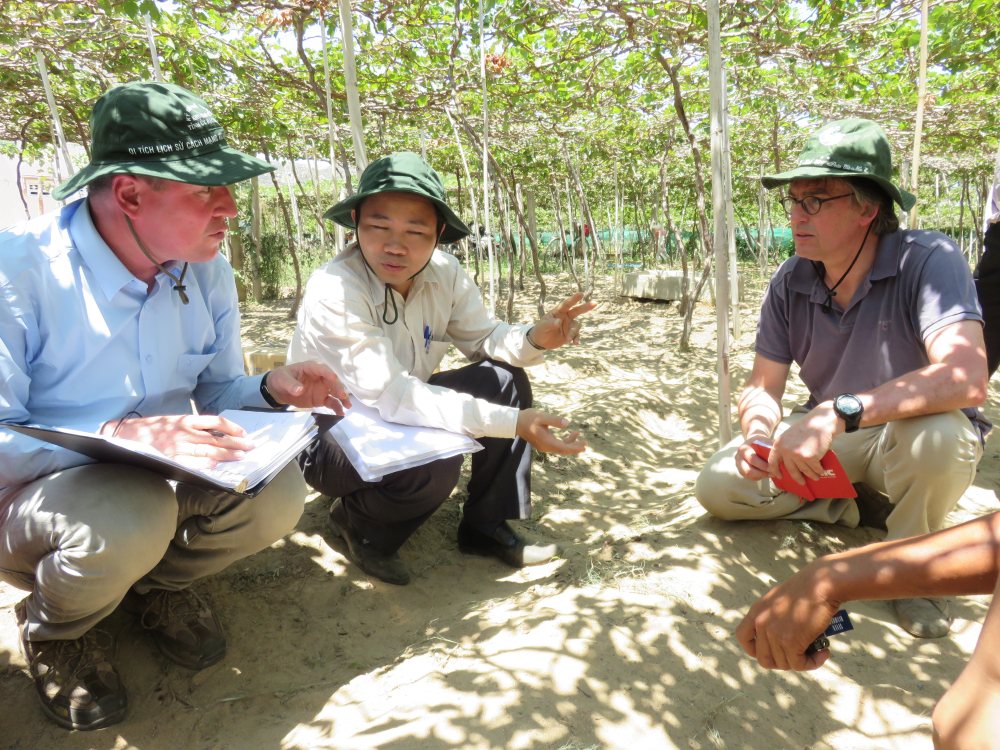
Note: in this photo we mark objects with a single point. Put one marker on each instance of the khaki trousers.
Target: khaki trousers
(922, 465)
(80, 538)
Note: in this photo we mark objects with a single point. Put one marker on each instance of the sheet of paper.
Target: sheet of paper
(279, 437)
(376, 447)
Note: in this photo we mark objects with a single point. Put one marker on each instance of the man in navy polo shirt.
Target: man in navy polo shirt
(887, 333)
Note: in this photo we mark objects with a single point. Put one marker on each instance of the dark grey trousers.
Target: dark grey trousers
(988, 289)
(387, 512)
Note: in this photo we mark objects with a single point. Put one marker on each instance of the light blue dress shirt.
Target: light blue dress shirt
(83, 342)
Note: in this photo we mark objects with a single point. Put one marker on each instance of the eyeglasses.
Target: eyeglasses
(810, 204)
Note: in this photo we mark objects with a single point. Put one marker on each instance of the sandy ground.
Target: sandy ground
(624, 642)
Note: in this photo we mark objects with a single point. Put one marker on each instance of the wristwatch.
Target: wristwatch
(849, 408)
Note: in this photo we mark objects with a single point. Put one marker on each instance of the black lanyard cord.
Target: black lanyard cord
(178, 280)
(831, 291)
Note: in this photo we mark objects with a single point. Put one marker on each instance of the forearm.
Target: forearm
(960, 560)
(934, 389)
(760, 412)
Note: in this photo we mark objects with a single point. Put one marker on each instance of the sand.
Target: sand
(624, 642)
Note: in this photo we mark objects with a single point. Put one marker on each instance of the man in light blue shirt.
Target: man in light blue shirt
(119, 316)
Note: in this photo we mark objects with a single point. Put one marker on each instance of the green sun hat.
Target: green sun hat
(401, 172)
(160, 130)
(846, 148)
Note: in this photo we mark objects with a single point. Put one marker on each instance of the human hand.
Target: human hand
(802, 445)
(308, 384)
(208, 437)
(748, 463)
(968, 715)
(781, 625)
(559, 325)
(535, 427)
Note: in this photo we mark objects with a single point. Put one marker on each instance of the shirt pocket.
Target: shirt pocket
(191, 366)
(435, 353)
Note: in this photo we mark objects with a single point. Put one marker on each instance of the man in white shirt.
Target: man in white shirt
(382, 314)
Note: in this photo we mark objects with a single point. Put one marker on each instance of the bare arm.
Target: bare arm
(780, 626)
(955, 378)
(760, 412)
(968, 715)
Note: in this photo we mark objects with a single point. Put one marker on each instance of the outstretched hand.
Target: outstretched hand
(559, 325)
(781, 624)
(308, 384)
(536, 428)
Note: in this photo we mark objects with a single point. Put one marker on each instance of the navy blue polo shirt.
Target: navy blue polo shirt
(919, 283)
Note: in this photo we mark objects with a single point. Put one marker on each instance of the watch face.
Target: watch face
(848, 405)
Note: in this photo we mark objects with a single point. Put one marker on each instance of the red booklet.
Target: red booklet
(833, 484)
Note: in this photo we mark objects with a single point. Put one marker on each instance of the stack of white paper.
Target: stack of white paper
(376, 447)
(278, 436)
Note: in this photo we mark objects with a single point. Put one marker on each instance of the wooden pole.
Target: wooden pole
(491, 301)
(721, 237)
(331, 135)
(727, 184)
(921, 97)
(351, 86)
(157, 75)
(56, 122)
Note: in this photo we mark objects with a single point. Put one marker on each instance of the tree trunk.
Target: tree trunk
(699, 184)
(255, 222)
(504, 215)
(317, 214)
(318, 198)
(294, 203)
(237, 257)
(520, 238)
(678, 240)
(498, 175)
(763, 228)
(472, 194)
(533, 231)
(562, 235)
(293, 251)
(666, 225)
(961, 214)
(585, 208)
(20, 184)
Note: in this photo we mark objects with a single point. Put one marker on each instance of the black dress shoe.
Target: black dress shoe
(505, 544)
(388, 568)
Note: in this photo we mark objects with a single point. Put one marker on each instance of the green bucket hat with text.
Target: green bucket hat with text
(160, 130)
(401, 172)
(847, 148)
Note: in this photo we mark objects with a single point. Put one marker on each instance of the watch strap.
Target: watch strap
(266, 394)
